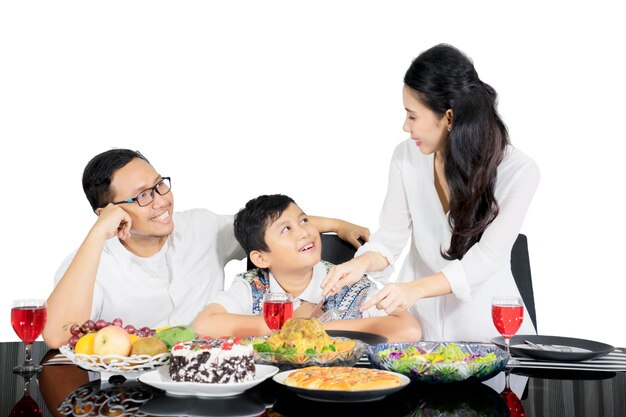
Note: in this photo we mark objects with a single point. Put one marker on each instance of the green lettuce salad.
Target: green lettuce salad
(404, 361)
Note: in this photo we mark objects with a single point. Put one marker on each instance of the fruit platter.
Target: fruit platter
(113, 349)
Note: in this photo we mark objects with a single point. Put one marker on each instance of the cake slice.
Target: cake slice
(212, 361)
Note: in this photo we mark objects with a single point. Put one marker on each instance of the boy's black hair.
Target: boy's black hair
(252, 221)
(99, 171)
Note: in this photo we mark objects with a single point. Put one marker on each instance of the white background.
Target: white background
(304, 98)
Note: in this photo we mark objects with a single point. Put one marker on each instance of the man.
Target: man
(141, 261)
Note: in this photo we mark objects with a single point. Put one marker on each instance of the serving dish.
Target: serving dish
(130, 367)
(365, 337)
(160, 378)
(480, 362)
(285, 361)
(340, 396)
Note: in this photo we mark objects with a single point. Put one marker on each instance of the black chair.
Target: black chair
(520, 267)
(335, 250)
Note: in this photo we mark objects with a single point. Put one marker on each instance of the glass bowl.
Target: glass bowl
(130, 367)
(287, 361)
(421, 369)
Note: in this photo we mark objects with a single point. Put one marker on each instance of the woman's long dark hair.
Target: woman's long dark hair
(443, 78)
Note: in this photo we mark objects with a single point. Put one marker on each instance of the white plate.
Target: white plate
(160, 379)
(342, 396)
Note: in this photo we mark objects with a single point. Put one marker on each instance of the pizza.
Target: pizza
(342, 378)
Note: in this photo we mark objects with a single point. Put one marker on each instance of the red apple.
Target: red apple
(112, 340)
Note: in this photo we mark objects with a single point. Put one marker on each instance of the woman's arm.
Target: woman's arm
(398, 297)
(350, 272)
(399, 327)
(386, 245)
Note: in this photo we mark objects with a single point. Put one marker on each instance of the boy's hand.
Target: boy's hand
(353, 233)
(305, 310)
(113, 221)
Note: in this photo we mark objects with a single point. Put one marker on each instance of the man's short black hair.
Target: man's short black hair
(99, 171)
(253, 220)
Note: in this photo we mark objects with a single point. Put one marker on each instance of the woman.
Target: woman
(461, 191)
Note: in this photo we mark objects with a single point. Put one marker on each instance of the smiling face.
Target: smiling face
(429, 131)
(294, 243)
(153, 220)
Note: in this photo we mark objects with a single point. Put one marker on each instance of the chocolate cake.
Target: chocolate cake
(212, 361)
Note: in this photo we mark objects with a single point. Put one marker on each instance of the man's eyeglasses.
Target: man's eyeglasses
(147, 196)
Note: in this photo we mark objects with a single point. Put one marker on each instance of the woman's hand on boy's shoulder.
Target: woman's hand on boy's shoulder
(344, 274)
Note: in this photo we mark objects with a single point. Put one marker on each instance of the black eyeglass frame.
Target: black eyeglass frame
(152, 190)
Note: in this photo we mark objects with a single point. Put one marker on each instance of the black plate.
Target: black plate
(369, 338)
(582, 349)
(340, 396)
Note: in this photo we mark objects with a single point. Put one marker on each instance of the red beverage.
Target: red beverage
(26, 407)
(276, 313)
(28, 322)
(507, 318)
(513, 403)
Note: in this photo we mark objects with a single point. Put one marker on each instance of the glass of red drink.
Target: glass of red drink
(26, 406)
(277, 309)
(513, 403)
(28, 318)
(507, 314)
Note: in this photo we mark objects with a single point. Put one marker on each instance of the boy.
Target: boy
(286, 248)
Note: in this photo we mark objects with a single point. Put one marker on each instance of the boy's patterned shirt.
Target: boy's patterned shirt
(349, 299)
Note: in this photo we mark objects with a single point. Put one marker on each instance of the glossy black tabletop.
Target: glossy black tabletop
(67, 390)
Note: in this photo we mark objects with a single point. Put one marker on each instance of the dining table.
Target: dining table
(63, 389)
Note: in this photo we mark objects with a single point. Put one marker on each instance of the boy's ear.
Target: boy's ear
(260, 259)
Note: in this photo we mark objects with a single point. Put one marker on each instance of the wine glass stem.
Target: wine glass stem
(29, 359)
(507, 343)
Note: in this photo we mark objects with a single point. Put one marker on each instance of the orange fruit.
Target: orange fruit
(133, 338)
(85, 344)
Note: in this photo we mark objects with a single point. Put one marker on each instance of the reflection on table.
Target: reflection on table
(67, 390)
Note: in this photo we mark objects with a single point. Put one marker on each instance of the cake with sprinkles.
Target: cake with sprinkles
(214, 361)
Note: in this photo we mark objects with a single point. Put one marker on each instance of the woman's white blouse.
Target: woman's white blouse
(412, 208)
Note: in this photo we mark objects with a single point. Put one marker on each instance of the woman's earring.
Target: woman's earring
(449, 129)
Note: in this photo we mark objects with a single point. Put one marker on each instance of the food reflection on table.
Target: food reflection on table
(133, 398)
(26, 406)
(104, 399)
(240, 405)
(470, 399)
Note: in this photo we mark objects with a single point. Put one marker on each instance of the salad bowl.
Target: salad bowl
(439, 362)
